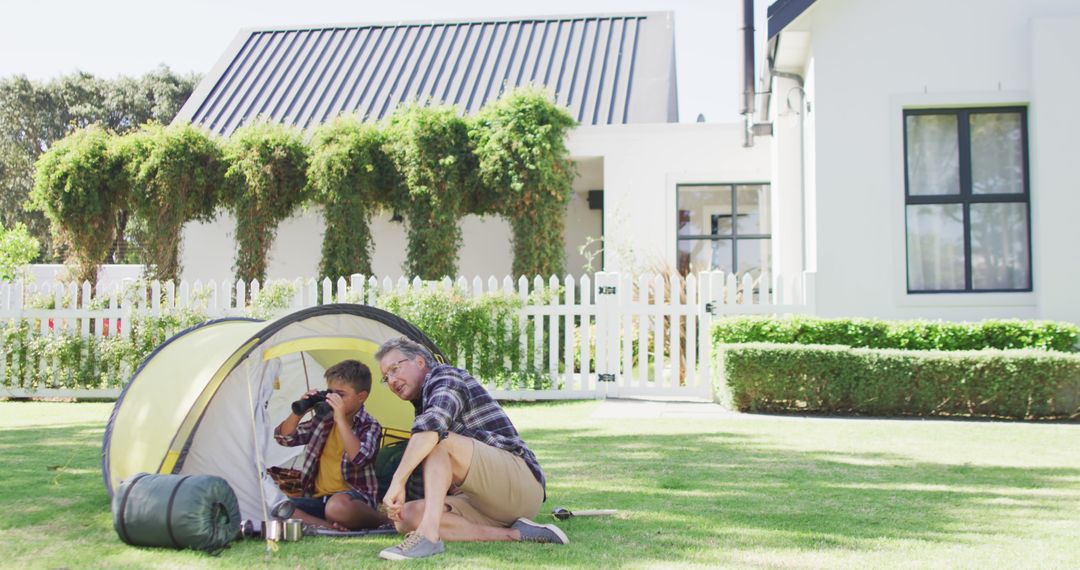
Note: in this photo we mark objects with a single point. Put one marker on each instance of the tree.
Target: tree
(264, 184)
(80, 187)
(17, 248)
(430, 149)
(527, 172)
(175, 174)
(35, 114)
(351, 177)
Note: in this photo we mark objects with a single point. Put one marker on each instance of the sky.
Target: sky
(46, 38)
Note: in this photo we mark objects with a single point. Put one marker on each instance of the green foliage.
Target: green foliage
(832, 379)
(527, 174)
(17, 248)
(271, 300)
(351, 176)
(80, 187)
(909, 335)
(264, 184)
(175, 175)
(35, 114)
(481, 331)
(430, 148)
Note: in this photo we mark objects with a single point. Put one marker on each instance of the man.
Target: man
(464, 439)
(338, 476)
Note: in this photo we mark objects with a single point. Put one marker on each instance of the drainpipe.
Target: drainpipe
(802, 151)
(746, 109)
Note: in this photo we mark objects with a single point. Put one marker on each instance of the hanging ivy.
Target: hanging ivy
(264, 184)
(527, 174)
(80, 187)
(176, 173)
(430, 148)
(351, 177)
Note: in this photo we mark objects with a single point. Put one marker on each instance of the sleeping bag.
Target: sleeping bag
(176, 511)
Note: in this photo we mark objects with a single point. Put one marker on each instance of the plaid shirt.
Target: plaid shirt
(358, 471)
(453, 401)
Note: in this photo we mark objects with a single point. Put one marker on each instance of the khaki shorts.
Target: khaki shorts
(498, 489)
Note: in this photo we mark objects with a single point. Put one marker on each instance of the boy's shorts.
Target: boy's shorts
(499, 489)
(316, 506)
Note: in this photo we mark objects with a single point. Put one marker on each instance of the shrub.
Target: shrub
(832, 379)
(482, 331)
(17, 248)
(907, 335)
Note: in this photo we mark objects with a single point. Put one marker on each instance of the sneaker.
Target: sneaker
(536, 532)
(414, 546)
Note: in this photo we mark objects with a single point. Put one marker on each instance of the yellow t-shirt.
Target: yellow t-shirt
(329, 479)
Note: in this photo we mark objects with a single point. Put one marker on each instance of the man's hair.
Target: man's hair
(352, 373)
(408, 348)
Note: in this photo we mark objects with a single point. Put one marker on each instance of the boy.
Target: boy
(338, 476)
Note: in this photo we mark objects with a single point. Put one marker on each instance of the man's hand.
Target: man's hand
(394, 500)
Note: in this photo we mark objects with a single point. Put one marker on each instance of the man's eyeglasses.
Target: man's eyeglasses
(392, 371)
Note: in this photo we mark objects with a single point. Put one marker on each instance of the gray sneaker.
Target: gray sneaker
(414, 546)
(536, 532)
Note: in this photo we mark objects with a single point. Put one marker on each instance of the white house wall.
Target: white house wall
(871, 60)
(643, 164)
(209, 249)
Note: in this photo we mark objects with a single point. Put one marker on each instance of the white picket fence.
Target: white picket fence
(608, 336)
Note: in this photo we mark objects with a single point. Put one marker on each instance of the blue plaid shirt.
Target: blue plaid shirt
(358, 471)
(453, 401)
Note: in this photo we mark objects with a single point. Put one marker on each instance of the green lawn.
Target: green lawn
(751, 491)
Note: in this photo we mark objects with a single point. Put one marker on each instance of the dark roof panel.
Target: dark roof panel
(306, 76)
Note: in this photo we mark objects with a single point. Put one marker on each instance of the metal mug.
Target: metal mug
(294, 530)
(272, 530)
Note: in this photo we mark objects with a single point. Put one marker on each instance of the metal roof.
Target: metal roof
(783, 12)
(606, 69)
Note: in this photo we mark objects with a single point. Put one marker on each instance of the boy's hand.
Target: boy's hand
(338, 405)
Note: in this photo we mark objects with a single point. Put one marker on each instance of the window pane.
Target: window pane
(752, 209)
(997, 153)
(935, 247)
(933, 155)
(999, 246)
(754, 256)
(705, 255)
(704, 210)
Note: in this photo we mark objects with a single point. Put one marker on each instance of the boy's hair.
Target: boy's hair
(352, 373)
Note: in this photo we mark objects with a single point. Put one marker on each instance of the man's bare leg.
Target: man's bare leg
(454, 527)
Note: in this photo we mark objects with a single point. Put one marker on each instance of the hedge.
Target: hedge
(904, 335)
(1020, 384)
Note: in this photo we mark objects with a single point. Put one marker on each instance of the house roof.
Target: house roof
(783, 12)
(607, 69)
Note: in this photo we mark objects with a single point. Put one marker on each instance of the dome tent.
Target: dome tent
(208, 399)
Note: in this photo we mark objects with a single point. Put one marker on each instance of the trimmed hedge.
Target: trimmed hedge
(904, 335)
(830, 379)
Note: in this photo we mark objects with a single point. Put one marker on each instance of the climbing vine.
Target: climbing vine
(264, 184)
(175, 175)
(431, 150)
(350, 176)
(80, 187)
(525, 168)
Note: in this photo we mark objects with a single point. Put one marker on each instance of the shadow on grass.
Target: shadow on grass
(678, 494)
(682, 499)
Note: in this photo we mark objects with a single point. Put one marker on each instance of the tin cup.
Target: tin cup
(294, 530)
(272, 530)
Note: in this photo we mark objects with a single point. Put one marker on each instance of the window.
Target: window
(966, 200)
(723, 227)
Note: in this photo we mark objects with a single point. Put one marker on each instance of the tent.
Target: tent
(208, 399)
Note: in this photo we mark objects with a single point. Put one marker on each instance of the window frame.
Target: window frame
(966, 197)
(735, 236)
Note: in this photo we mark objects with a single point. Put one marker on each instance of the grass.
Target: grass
(749, 491)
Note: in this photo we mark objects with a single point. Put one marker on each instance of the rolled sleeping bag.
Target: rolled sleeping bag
(176, 511)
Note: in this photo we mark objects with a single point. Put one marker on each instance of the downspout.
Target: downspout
(746, 109)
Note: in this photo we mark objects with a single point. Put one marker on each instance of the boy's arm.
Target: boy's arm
(362, 444)
(291, 432)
